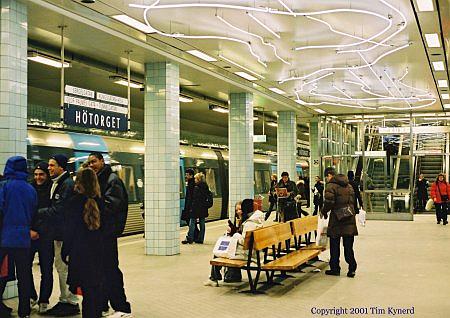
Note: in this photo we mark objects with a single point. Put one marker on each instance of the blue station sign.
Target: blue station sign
(86, 108)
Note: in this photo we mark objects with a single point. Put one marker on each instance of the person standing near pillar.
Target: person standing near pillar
(115, 195)
(18, 204)
(60, 193)
(422, 193)
(42, 242)
(287, 205)
(272, 197)
(318, 195)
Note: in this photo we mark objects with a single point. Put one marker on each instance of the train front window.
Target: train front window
(210, 175)
(126, 174)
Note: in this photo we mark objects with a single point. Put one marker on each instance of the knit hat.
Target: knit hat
(61, 160)
(42, 166)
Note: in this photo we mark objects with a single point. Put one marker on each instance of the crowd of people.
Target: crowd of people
(72, 225)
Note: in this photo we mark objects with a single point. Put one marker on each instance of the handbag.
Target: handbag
(429, 205)
(345, 212)
(444, 198)
(226, 247)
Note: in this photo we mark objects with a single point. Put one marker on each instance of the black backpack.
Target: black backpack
(209, 199)
(121, 217)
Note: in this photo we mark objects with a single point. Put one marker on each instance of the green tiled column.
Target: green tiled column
(287, 144)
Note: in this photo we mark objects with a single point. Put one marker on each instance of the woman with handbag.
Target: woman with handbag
(440, 193)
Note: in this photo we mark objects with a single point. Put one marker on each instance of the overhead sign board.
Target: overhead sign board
(416, 130)
(376, 154)
(259, 138)
(86, 108)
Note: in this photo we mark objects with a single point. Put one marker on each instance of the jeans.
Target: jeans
(441, 212)
(192, 225)
(21, 257)
(63, 270)
(335, 251)
(113, 287)
(45, 250)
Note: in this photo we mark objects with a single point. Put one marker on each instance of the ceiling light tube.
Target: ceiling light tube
(185, 99)
(46, 59)
(218, 109)
(263, 25)
(445, 96)
(240, 66)
(124, 81)
(442, 83)
(432, 40)
(277, 90)
(246, 76)
(202, 55)
(425, 5)
(438, 66)
(447, 106)
(255, 118)
(321, 111)
(134, 23)
(272, 124)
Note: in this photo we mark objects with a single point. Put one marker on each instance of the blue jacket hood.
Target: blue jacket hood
(16, 168)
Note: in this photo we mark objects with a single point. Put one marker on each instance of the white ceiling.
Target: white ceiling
(381, 33)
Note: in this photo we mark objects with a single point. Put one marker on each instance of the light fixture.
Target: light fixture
(438, 66)
(425, 5)
(436, 118)
(185, 99)
(124, 81)
(246, 76)
(263, 25)
(255, 118)
(432, 40)
(218, 109)
(321, 111)
(445, 96)
(442, 83)
(447, 106)
(201, 55)
(277, 90)
(46, 59)
(138, 25)
(306, 133)
(240, 66)
(272, 124)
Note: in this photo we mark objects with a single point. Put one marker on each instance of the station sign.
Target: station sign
(90, 109)
(303, 152)
(259, 138)
(373, 154)
(415, 130)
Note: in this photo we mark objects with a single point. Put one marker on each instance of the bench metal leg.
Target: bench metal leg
(284, 275)
(253, 282)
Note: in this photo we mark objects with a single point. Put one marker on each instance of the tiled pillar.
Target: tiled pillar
(240, 142)
(13, 79)
(314, 142)
(13, 88)
(162, 159)
(287, 144)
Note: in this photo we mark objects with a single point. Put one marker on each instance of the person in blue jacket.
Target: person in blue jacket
(18, 203)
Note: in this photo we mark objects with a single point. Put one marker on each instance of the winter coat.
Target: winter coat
(272, 193)
(444, 189)
(18, 204)
(255, 221)
(358, 201)
(39, 223)
(338, 194)
(422, 188)
(198, 201)
(83, 247)
(189, 196)
(318, 193)
(54, 214)
(115, 197)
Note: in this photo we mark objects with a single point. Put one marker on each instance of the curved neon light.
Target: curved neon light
(263, 25)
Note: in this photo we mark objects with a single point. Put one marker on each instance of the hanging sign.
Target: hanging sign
(86, 108)
(259, 138)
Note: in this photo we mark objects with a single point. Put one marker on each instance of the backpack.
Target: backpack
(209, 199)
(122, 215)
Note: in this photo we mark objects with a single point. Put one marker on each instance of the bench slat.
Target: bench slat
(238, 263)
(291, 261)
(304, 225)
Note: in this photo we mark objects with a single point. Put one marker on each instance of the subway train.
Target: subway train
(127, 159)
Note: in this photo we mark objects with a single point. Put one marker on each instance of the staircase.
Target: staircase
(377, 175)
(430, 166)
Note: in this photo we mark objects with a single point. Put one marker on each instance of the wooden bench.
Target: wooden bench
(271, 250)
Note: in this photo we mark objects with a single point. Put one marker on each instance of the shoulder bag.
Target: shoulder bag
(345, 212)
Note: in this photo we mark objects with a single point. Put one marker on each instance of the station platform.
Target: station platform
(403, 265)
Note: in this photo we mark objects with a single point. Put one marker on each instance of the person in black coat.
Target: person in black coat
(190, 185)
(199, 210)
(355, 185)
(115, 197)
(318, 195)
(287, 205)
(422, 193)
(272, 197)
(83, 243)
(42, 241)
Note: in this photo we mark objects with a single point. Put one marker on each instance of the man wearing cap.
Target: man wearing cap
(42, 240)
(60, 192)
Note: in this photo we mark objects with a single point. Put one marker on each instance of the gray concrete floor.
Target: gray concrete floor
(400, 265)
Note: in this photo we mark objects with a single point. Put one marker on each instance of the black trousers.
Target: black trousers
(21, 258)
(335, 252)
(441, 212)
(421, 202)
(272, 206)
(92, 301)
(114, 293)
(45, 250)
